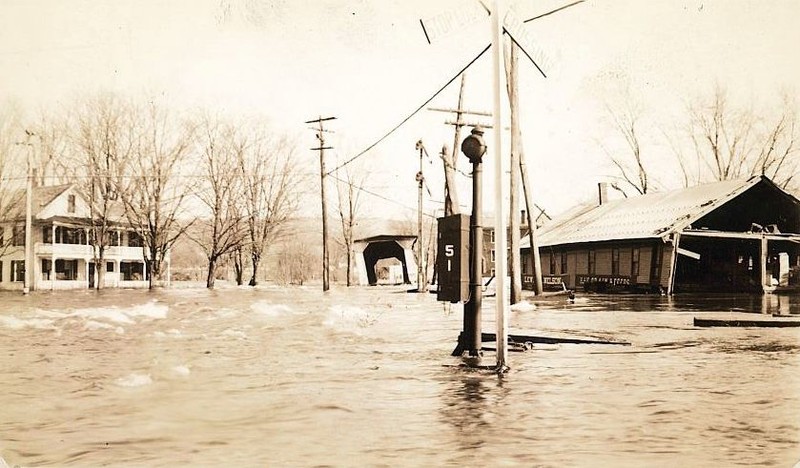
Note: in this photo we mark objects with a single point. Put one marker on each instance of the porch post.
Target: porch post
(764, 251)
(673, 262)
(53, 258)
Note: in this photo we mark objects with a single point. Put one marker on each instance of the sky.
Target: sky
(369, 64)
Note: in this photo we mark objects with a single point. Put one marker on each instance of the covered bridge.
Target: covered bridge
(369, 250)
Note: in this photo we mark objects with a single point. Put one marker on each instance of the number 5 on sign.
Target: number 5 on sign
(452, 257)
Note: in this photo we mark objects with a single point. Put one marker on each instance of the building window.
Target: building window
(635, 261)
(110, 267)
(591, 262)
(46, 264)
(47, 234)
(134, 239)
(18, 270)
(492, 256)
(563, 263)
(655, 265)
(67, 235)
(70, 203)
(552, 263)
(18, 235)
(491, 236)
(66, 269)
(131, 271)
(615, 262)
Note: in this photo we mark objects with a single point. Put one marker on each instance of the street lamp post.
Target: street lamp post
(474, 148)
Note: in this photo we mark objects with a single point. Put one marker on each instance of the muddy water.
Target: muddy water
(363, 377)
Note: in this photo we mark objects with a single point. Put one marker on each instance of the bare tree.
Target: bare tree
(722, 136)
(349, 202)
(296, 262)
(12, 169)
(222, 232)
(103, 145)
(55, 140)
(776, 158)
(151, 189)
(626, 118)
(270, 178)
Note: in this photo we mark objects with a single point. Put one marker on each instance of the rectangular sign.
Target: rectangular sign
(452, 258)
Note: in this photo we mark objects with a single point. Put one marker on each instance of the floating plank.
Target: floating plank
(777, 323)
(549, 340)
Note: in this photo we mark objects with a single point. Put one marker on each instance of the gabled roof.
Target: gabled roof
(40, 198)
(652, 215)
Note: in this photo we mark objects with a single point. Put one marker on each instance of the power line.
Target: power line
(377, 195)
(368, 148)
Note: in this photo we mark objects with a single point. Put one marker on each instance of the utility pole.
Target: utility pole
(321, 137)
(28, 278)
(516, 135)
(421, 285)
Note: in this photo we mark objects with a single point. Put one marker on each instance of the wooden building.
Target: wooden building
(63, 256)
(730, 236)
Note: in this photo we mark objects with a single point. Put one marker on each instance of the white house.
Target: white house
(62, 256)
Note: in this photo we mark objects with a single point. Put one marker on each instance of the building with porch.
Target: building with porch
(63, 256)
(729, 236)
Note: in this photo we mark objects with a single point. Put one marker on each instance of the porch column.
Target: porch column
(53, 257)
(673, 262)
(764, 251)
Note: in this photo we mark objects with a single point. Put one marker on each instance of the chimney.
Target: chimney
(602, 192)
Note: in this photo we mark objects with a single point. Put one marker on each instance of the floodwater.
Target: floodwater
(364, 377)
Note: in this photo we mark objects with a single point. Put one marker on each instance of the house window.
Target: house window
(591, 262)
(635, 261)
(655, 265)
(66, 269)
(18, 235)
(70, 203)
(46, 264)
(110, 267)
(67, 235)
(47, 234)
(131, 271)
(563, 263)
(615, 262)
(552, 263)
(112, 238)
(18, 270)
(134, 239)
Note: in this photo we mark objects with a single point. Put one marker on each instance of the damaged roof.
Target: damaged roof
(652, 215)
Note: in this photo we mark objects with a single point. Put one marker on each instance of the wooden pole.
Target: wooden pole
(28, 227)
(322, 173)
(763, 263)
(420, 180)
(536, 259)
(512, 86)
(451, 205)
(673, 262)
(501, 263)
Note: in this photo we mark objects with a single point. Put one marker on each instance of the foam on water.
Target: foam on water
(15, 323)
(523, 306)
(92, 318)
(235, 334)
(134, 380)
(349, 318)
(182, 370)
(270, 310)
